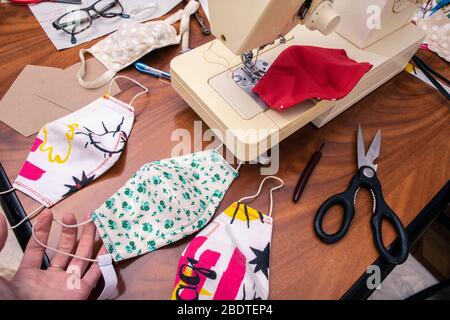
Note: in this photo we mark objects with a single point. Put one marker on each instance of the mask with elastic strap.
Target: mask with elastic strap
(71, 152)
(132, 41)
(163, 202)
(229, 259)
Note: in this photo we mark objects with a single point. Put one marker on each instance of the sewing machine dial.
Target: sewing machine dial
(400, 5)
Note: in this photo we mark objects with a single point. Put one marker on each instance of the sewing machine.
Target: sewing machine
(216, 79)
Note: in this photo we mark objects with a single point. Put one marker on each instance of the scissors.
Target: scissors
(39, 1)
(365, 178)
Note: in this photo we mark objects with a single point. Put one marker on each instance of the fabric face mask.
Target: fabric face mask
(306, 72)
(133, 40)
(163, 202)
(73, 151)
(229, 259)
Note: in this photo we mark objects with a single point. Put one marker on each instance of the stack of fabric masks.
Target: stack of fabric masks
(161, 203)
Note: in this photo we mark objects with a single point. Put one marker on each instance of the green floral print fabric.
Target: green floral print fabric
(163, 202)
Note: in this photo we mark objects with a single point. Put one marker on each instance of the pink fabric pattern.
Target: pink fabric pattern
(31, 172)
(192, 274)
(36, 144)
(229, 259)
(232, 278)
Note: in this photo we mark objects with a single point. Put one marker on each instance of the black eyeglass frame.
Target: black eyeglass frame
(102, 13)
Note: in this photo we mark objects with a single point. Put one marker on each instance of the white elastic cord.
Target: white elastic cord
(29, 217)
(109, 276)
(72, 226)
(190, 9)
(36, 212)
(7, 191)
(184, 15)
(97, 83)
(104, 261)
(132, 80)
(220, 146)
(251, 198)
(239, 165)
(33, 232)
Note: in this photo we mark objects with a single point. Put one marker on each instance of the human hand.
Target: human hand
(6, 293)
(3, 231)
(30, 282)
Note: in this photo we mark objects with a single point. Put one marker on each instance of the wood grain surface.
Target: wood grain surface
(413, 166)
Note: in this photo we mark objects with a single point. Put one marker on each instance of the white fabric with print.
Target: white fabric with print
(73, 151)
(132, 41)
(164, 201)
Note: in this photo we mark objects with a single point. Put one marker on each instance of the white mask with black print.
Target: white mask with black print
(229, 259)
(71, 152)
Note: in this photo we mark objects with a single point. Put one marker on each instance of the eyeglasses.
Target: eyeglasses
(77, 21)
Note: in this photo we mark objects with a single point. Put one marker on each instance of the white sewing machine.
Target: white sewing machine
(216, 79)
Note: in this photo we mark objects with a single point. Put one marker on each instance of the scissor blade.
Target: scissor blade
(361, 149)
(374, 150)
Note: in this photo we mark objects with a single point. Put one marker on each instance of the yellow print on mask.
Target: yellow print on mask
(242, 213)
(69, 137)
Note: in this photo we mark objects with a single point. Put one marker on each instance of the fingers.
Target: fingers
(93, 274)
(85, 246)
(3, 231)
(34, 252)
(67, 243)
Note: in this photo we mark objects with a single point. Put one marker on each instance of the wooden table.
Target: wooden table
(414, 165)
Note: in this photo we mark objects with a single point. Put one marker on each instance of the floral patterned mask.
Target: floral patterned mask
(163, 202)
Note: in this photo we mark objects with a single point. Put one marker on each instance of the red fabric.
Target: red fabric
(304, 72)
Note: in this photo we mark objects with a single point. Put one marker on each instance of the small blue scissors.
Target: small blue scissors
(365, 178)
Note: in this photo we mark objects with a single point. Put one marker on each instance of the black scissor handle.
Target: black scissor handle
(386, 254)
(384, 212)
(346, 201)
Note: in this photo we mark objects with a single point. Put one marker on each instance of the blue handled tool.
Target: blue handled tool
(142, 67)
